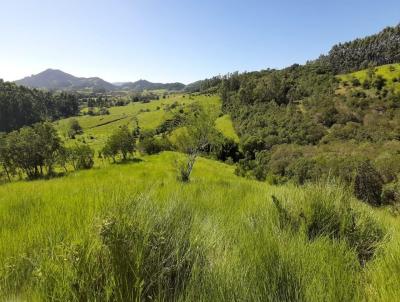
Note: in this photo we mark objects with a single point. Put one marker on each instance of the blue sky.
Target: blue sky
(171, 40)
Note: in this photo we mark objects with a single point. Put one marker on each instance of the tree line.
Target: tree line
(302, 124)
(21, 106)
(379, 49)
(36, 150)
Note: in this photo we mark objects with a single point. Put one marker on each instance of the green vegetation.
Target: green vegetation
(20, 106)
(148, 116)
(224, 124)
(379, 49)
(390, 73)
(284, 187)
(303, 123)
(123, 233)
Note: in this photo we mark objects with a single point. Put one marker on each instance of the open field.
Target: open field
(147, 115)
(132, 231)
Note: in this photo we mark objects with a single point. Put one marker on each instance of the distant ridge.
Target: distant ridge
(54, 79)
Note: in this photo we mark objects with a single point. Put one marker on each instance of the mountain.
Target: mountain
(53, 79)
(142, 85)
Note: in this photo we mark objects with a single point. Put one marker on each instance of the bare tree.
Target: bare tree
(193, 139)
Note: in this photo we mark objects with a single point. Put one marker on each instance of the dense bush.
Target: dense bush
(153, 145)
(368, 184)
(74, 128)
(81, 156)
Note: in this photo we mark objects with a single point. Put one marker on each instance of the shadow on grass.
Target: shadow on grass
(128, 161)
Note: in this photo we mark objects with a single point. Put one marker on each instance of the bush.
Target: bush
(152, 145)
(391, 193)
(355, 82)
(74, 128)
(227, 148)
(81, 157)
(303, 170)
(368, 184)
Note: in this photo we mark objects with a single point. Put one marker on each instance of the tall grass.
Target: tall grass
(132, 232)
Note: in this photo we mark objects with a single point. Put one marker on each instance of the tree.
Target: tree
(74, 128)
(122, 141)
(48, 144)
(195, 137)
(30, 149)
(81, 156)
(5, 157)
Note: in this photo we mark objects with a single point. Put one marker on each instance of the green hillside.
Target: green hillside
(149, 116)
(206, 239)
(271, 185)
(390, 72)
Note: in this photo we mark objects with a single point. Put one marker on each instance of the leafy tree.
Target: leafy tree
(74, 128)
(196, 137)
(81, 156)
(122, 141)
(6, 157)
(31, 149)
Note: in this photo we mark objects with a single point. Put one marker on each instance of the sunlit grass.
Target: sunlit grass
(388, 72)
(57, 239)
(224, 124)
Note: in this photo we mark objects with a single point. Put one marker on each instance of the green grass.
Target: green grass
(224, 124)
(131, 231)
(149, 116)
(388, 72)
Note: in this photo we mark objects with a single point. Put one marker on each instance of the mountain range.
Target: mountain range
(53, 79)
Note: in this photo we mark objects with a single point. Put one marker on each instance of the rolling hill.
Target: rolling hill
(53, 79)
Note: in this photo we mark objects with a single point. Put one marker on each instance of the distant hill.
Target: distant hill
(142, 85)
(53, 79)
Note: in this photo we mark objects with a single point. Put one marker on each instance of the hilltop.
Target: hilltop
(52, 79)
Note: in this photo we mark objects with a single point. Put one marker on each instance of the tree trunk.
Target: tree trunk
(7, 173)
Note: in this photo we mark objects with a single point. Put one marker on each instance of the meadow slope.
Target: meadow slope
(131, 231)
(148, 116)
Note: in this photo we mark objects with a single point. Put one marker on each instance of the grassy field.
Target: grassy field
(388, 72)
(224, 124)
(130, 232)
(147, 115)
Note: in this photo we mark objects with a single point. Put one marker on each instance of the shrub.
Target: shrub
(368, 184)
(122, 141)
(152, 145)
(391, 193)
(227, 148)
(74, 128)
(355, 82)
(81, 157)
(303, 170)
